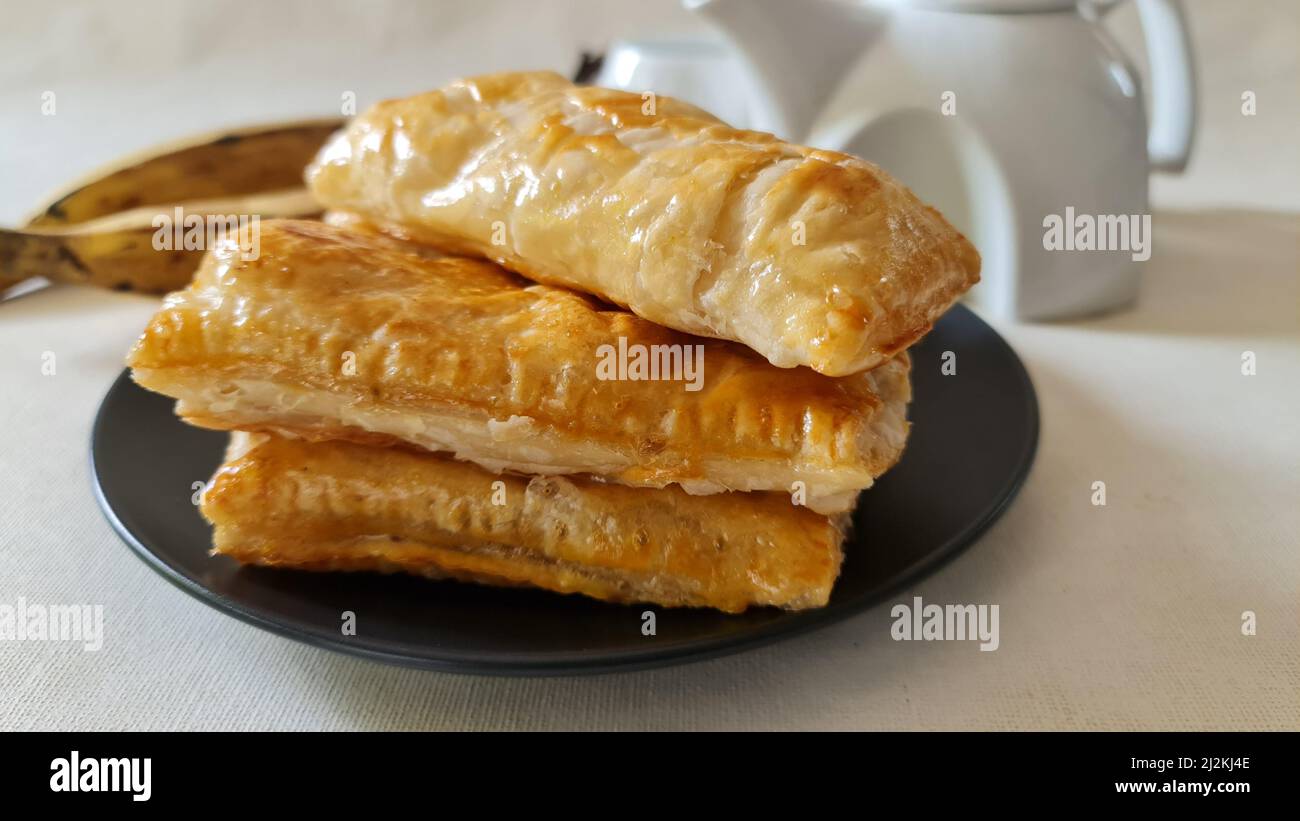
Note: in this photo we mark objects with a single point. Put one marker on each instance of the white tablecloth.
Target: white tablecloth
(1123, 616)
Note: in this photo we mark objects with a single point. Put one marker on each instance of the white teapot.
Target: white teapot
(1021, 120)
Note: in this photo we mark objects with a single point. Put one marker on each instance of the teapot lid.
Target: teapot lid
(995, 6)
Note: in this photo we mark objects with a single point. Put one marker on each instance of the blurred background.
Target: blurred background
(128, 75)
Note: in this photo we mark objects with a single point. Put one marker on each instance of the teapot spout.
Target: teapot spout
(798, 52)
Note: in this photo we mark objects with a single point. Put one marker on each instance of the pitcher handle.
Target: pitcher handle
(1173, 83)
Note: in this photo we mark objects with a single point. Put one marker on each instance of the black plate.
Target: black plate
(973, 440)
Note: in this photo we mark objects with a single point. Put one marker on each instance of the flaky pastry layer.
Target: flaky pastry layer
(809, 257)
(340, 506)
(331, 333)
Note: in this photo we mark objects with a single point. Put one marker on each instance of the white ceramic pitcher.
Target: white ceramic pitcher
(1021, 120)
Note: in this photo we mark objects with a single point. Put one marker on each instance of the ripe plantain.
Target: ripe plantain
(100, 232)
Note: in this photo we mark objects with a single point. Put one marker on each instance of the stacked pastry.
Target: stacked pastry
(443, 415)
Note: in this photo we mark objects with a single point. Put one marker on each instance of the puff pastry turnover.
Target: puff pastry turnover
(335, 334)
(809, 257)
(340, 506)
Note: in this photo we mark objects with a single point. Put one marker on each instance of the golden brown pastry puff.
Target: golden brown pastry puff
(337, 334)
(809, 257)
(340, 506)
